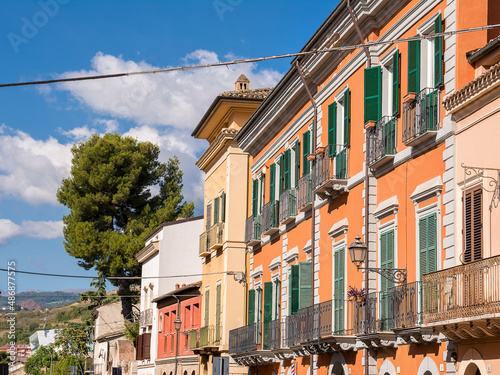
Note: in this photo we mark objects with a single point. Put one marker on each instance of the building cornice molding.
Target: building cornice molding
(223, 138)
(147, 252)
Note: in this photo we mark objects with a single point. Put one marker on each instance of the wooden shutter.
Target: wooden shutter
(296, 151)
(373, 91)
(272, 182)
(438, 53)
(209, 216)
(223, 207)
(251, 306)
(332, 129)
(305, 284)
(414, 66)
(286, 173)
(146, 343)
(427, 227)
(207, 307)
(347, 116)
(306, 150)
(473, 236)
(268, 301)
(294, 289)
(387, 256)
(280, 182)
(259, 304)
(216, 210)
(139, 348)
(338, 290)
(396, 83)
(277, 298)
(218, 312)
(262, 192)
(255, 188)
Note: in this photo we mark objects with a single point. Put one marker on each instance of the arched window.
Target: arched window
(337, 369)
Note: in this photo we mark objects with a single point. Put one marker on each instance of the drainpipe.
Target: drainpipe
(367, 181)
(313, 215)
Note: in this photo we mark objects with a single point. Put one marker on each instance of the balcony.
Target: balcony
(382, 142)
(288, 206)
(270, 218)
(194, 339)
(207, 337)
(216, 236)
(272, 335)
(245, 339)
(304, 193)
(146, 318)
(421, 117)
(253, 230)
(463, 302)
(331, 172)
(204, 248)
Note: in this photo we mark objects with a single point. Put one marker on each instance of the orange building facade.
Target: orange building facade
(356, 142)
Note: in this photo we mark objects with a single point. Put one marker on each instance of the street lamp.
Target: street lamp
(177, 326)
(358, 252)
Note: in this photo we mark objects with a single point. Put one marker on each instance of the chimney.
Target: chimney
(183, 285)
(177, 286)
(242, 83)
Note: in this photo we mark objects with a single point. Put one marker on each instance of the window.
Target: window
(209, 216)
(207, 305)
(277, 299)
(286, 170)
(386, 261)
(216, 210)
(300, 288)
(272, 182)
(338, 290)
(427, 227)
(268, 299)
(372, 99)
(258, 194)
(425, 58)
(306, 150)
(473, 239)
(391, 83)
(218, 311)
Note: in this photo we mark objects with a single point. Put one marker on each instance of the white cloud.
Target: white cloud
(78, 134)
(30, 169)
(47, 230)
(176, 99)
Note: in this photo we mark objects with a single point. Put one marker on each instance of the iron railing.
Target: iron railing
(245, 339)
(207, 336)
(464, 291)
(331, 165)
(270, 216)
(216, 235)
(382, 140)
(304, 192)
(96, 368)
(146, 318)
(272, 335)
(204, 247)
(288, 205)
(421, 115)
(194, 339)
(253, 229)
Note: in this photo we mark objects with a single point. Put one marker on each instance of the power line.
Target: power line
(256, 59)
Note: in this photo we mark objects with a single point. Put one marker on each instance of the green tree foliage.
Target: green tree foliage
(40, 359)
(4, 357)
(74, 339)
(112, 207)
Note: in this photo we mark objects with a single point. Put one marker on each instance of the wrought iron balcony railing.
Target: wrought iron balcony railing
(270, 218)
(146, 318)
(216, 236)
(207, 336)
(253, 230)
(272, 335)
(288, 206)
(331, 171)
(421, 116)
(304, 193)
(382, 141)
(194, 339)
(245, 339)
(204, 248)
(465, 291)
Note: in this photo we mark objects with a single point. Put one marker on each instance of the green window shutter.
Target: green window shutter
(306, 150)
(223, 207)
(254, 197)
(259, 304)
(207, 307)
(396, 83)
(438, 53)
(262, 191)
(347, 116)
(305, 284)
(251, 306)
(277, 298)
(281, 164)
(373, 91)
(387, 256)
(286, 176)
(414, 66)
(218, 301)
(332, 128)
(272, 182)
(428, 244)
(216, 210)
(338, 290)
(294, 289)
(268, 301)
(296, 151)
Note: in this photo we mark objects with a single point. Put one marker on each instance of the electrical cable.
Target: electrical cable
(256, 59)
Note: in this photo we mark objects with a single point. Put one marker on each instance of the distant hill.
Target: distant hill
(35, 299)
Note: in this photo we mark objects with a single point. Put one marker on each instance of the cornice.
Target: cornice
(226, 135)
(148, 251)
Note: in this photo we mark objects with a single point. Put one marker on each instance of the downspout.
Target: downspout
(367, 181)
(313, 215)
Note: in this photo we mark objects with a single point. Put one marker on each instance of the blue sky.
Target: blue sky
(50, 39)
